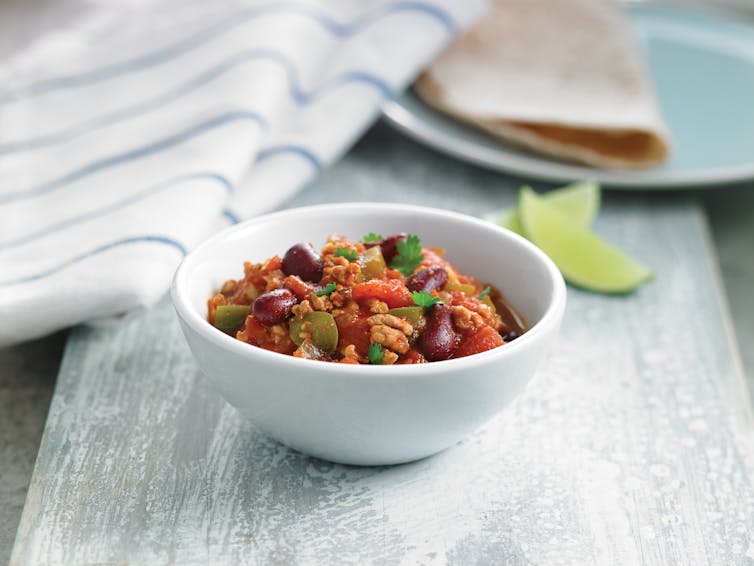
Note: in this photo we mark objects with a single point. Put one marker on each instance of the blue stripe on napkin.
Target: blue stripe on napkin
(135, 154)
(218, 180)
(163, 240)
(338, 29)
(295, 90)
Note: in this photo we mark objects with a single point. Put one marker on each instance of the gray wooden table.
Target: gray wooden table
(634, 443)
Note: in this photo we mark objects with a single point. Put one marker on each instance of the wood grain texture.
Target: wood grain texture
(731, 215)
(633, 444)
(27, 376)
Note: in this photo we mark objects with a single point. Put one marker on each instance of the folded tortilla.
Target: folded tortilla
(561, 77)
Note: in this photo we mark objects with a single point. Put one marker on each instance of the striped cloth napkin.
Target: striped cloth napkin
(128, 138)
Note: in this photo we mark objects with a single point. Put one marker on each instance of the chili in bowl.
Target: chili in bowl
(379, 301)
(324, 348)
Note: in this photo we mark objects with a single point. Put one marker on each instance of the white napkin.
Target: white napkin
(125, 140)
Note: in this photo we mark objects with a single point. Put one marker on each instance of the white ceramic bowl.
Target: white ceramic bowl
(371, 415)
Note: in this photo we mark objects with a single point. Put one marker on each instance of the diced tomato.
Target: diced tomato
(482, 340)
(298, 287)
(353, 328)
(273, 264)
(413, 357)
(390, 291)
(258, 334)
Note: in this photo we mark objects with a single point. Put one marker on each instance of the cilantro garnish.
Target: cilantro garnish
(409, 255)
(484, 293)
(424, 299)
(375, 354)
(372, 237)
(329, 288)
(348, 253)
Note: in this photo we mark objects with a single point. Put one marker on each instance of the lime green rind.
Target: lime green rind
(584, 259)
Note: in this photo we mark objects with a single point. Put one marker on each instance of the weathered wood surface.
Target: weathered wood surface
(634, 443)
(27, 377)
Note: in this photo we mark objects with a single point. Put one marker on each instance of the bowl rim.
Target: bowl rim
(548, 321)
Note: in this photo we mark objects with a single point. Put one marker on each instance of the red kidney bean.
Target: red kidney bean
(428, 279)
(274, 307)
(389, 246)
(438, 342)
(302, 260)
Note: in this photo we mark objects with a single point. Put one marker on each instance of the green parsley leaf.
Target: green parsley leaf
(329, 288)
(348, 253)
(372, 237)
(409, 255)
(424, 299)
(484, 293)
(375, 354)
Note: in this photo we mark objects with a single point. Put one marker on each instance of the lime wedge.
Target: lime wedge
(583, 258)
(578, 201)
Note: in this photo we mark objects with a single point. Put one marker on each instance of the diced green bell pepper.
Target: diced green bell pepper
(322, 327)
(372, 263)
(411, 314)
(230, 318)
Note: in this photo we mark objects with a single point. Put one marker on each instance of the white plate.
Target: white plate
(703, 70)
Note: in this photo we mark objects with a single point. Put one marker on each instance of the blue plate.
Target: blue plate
(703, 70)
